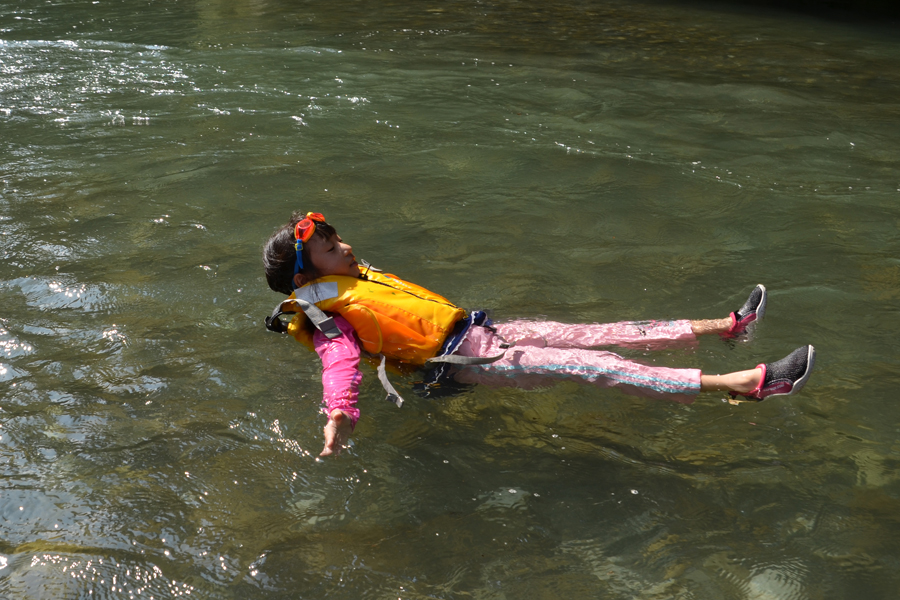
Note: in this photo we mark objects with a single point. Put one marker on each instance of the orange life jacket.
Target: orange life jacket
(398, 319)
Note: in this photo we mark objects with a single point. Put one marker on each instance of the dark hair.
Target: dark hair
(279, 256)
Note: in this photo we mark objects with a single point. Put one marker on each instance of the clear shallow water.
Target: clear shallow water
(581, 162)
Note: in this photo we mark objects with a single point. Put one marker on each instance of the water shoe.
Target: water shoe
(786, 376)
(751, 312)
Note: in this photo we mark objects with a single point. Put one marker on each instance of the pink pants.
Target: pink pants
(543, 350)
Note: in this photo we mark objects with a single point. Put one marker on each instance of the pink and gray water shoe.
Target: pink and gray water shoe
(786, 376)
(744, 319)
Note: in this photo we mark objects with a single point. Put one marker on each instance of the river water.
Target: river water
(577, 161)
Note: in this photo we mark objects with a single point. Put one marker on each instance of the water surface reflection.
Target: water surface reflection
(581, 161)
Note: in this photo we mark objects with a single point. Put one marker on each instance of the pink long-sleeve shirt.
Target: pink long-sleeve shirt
(340, 369)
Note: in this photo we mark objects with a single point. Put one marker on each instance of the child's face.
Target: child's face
(332, 256)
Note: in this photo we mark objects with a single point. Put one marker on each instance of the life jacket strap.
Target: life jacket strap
(456, 359)
(392, 395)
(322, 322)
(316, 315)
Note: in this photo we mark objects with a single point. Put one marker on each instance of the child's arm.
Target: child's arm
(340, 383)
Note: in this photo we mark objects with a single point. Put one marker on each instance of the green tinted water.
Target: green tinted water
(580, 161)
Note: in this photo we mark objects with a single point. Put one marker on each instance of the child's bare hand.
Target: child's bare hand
(337, 432)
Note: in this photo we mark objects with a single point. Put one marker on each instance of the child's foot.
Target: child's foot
(786, 376)
(751, 312)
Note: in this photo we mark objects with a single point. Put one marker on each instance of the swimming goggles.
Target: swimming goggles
(303, 231)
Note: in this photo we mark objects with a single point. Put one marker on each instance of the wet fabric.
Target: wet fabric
(340, 369)
(545, 350)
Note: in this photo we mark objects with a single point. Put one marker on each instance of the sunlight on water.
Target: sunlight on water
(582, 162)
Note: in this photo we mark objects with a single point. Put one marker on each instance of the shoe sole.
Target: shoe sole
(761, 309)
(798, 385)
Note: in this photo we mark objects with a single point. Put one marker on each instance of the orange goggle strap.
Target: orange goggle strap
(303, 231)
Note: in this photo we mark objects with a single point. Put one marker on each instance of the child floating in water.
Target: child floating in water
(341, 309)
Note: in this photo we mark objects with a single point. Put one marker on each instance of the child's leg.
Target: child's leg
(709, 326)
(532, 366)
(779, 378)
(739, 382)
(529, 367)
(633, 334)
(628, 334)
